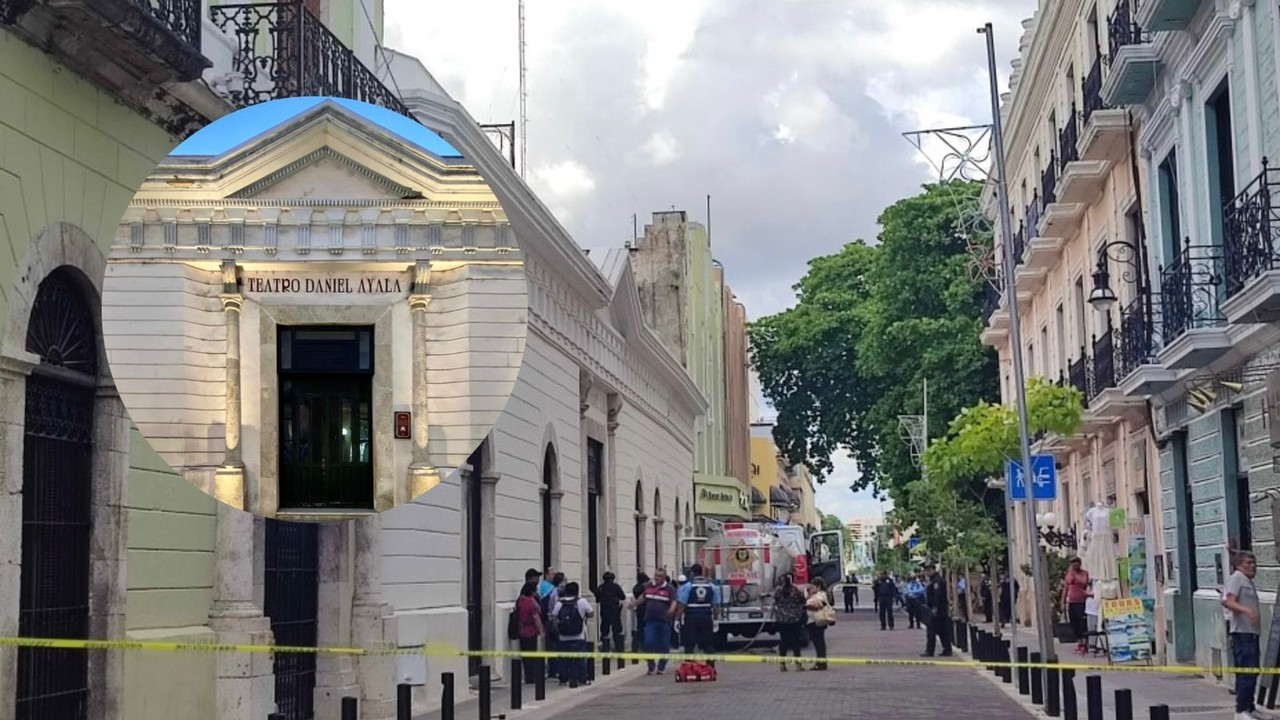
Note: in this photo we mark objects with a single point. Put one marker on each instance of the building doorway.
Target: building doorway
(595, 480)
(291, 583)
(326, 418)
(473, 486)
(57, 491)
(549, 477)
(639, 529)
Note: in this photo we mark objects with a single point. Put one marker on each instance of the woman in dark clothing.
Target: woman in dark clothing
(529, 626)
(789, 617)
(637, 592)
(1007, 599)
(984, 594)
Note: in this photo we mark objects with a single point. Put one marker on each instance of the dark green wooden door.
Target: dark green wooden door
(326, 438)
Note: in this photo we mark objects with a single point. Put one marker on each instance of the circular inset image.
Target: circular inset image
(315, 309)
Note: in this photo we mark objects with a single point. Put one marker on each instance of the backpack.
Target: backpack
(569, 620)
(513, 625)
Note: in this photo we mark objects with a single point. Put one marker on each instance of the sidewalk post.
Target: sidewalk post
(1093, 692)
(1124, 704)
(1070, 707)
(591, 662)
(350, 708)
(404, 701)
(446, 696)
(1037, 680)
(483, 704)
(517, 684)
(540, 680)
(1024, 676)
(1159, 712)
(1006, 656)
(275, 716)
(1052, 691)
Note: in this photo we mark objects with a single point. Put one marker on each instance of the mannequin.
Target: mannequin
(1099, 558)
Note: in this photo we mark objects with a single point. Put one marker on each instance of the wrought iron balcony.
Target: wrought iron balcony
(1068, 140)
(1033, 216)
(1249, 221)
(990, 299)
(180, 18)
(1139, 339)
(1122, 30)
(1189, 290)
(1049, 182)
(283, 50)
(1019, 244)
(1104, 361)
(1078, 372)
(1091, 90)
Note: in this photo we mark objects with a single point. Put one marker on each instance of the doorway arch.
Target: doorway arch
(639, 529)
(657, 527)
(57, 497)
(550, 486)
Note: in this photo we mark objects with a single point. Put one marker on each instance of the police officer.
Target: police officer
(938, 613)
(696, 604)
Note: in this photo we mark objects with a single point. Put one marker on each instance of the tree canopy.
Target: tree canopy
(870, 325)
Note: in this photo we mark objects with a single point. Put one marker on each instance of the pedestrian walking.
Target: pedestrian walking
(1241, 598)
(611, 598)
(984, 595)
(913, 600)
(529, 627)
(656, 605)
(937, 615)
(850, 589)
(789, 617)
(571, 613)
(697, 603)
(820, 616)
(1008, 597)
(886, 594)
(1075, 592)
(962, 596)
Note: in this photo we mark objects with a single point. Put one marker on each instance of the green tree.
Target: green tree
(870, 325)
(831, 522)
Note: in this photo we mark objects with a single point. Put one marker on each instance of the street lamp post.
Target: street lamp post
(1038, 576)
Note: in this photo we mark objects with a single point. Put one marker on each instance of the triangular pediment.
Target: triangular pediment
(324, 174)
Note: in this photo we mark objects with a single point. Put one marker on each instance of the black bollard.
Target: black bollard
(591, 663)
(404, 702)
(1052, 691)
(275, 716)
(540, 680)
(973, 643)
(1070, 708)
(1093, 696)
(606, 663)
(483, 701)
(1024, 677)
(517, 685)
(1124, 704)
(446, 696)
(1159, 712)
(350, 708)
(1037, 680)
(1006, 656)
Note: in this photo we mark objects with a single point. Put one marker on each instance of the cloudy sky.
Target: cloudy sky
(789, 113)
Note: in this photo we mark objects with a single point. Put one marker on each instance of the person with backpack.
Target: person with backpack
(697, 603)
(570, 615)
(549, 599)
(611, 598)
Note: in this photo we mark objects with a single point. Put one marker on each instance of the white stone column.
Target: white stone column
(611, 514)
(109, 549)
(244, 681)
(372, 622)
(585, 383)
(335, 674)
(488, 565)
(15, 366)
(229, 486)
(422, 475)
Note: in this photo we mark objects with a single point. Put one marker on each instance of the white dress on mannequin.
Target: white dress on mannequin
(1100, 550)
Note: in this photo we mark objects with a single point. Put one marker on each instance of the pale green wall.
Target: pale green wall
(69, 153)
(705, 335)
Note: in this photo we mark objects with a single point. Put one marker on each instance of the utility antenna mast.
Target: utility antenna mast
(524, 117)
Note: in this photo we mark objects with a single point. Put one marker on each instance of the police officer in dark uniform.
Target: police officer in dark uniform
(697, 603)
(938, 626)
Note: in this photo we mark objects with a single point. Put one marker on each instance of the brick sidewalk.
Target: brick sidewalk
(763, 691)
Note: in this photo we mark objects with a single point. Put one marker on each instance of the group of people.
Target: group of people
(554, 611)
(923, 595)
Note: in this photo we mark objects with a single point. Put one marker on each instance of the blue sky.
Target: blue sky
(242, 125)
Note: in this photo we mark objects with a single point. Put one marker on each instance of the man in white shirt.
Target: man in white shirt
(1241, 598)
(570, 617)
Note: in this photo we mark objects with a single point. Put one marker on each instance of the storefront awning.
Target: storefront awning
(779, 496)
(757, 497)
(720, 496)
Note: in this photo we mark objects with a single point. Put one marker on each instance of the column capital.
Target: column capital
(421, 278)
(492, 478)
(232, 302)
(419, 302)
(17, 363)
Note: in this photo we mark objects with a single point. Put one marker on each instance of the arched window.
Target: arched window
(57, 493)
(676, 530)
(657, 528)
(639, 519)
(550, 482)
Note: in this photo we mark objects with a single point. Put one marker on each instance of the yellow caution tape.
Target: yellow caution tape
(444, 650)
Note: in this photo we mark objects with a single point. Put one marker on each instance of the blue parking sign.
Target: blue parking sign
(912, 543)
(1044, 479)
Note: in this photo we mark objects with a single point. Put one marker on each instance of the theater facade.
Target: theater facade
(320, 322)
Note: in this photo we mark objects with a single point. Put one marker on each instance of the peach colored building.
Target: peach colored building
(737, 413)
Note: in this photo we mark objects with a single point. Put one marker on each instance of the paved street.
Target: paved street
(842, 692)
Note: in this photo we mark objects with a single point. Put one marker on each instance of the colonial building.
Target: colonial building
(772, 497)
(1081, 269)
(588, 467)
(295, 335)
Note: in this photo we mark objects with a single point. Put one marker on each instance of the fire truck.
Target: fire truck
(748, 560)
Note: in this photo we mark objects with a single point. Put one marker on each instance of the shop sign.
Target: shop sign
(332, 284)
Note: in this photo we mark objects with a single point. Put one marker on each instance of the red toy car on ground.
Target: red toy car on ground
(690, 671)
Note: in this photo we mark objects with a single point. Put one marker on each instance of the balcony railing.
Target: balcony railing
(1091, 90)
(1139, 339)
(990, 299)
(1122, 29)
(1104, 361)
(1019, 244)
(1248, 239)
(283, 51)
(1068, 139)
(1078, 372)
(1033, 216)
(1189, 290)
(1049, 182)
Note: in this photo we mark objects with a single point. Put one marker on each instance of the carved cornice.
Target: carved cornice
(184, 202)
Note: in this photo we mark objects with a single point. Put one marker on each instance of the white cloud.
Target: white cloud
(564, 185)
(661, 148)
(835, 496)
